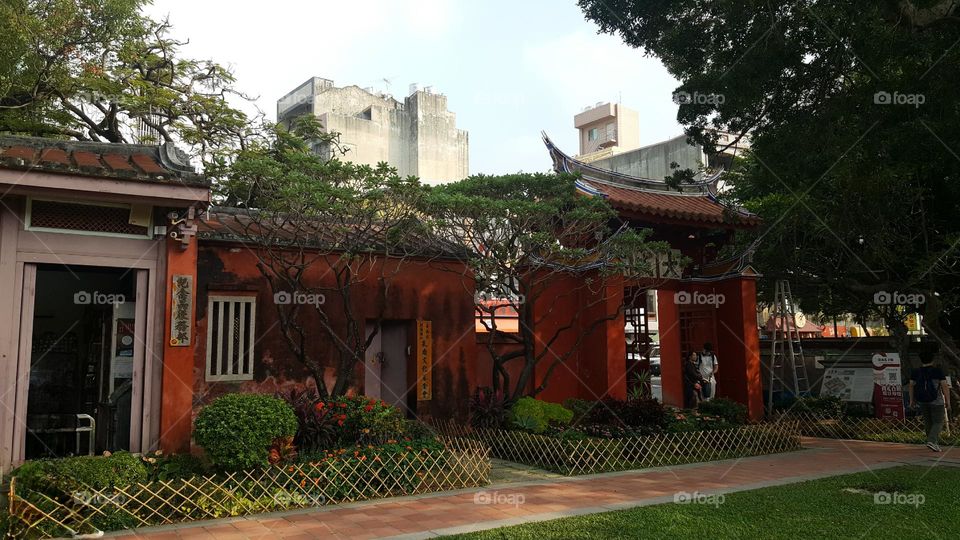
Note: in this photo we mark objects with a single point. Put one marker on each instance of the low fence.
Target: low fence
(907, 430)
(463, 464)
(594, 455)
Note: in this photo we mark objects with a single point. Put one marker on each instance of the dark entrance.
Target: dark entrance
(81, 364)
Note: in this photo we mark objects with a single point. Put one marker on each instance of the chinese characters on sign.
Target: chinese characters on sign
(888, 386)
(181, 317)
(424, 360)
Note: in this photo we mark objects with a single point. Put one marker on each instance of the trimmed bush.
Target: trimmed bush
(534, 415)
(63, 477)
(727, 409)
(236, 430)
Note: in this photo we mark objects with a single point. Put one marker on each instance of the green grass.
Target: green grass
(838, 507)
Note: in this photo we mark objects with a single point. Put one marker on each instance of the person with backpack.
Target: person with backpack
(708, 366)
(929, 390)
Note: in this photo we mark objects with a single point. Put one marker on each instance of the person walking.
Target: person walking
(929, 390)
(708, 366)
(692, 382)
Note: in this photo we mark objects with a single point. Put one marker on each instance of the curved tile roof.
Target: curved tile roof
(648, 198)
(155, 164)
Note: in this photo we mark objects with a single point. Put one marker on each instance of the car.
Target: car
(654, 360)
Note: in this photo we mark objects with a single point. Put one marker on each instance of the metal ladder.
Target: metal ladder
(786, 350)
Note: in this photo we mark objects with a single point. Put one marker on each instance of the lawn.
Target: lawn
(839, 507)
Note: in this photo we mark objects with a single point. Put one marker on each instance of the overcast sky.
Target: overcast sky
(510, 68)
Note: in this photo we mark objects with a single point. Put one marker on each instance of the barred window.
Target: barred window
(231, 330)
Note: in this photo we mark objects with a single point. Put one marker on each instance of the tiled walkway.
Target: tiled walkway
(549, 498)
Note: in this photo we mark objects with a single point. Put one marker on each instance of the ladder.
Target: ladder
(786, 351)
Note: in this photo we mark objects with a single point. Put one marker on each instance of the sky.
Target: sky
(509, 68)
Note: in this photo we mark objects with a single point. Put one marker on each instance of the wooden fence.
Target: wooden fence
(462, 464)
(593, 455)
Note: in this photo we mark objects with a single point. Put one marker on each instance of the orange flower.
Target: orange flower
(319, 406)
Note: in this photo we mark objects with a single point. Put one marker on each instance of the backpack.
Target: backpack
(926, 389)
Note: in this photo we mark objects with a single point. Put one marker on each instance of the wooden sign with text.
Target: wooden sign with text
(424, 360)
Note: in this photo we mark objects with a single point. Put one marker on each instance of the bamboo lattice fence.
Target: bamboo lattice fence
(463, 464)
(593, 455)
(908, 430)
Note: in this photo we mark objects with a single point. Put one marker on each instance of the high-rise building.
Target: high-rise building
(418, 136)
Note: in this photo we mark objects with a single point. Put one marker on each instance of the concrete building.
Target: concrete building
(608, 126)
(610, 139)
(418, 137)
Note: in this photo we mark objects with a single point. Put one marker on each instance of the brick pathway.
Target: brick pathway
(499, 505)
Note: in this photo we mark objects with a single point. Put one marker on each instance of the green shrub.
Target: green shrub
(166, 467)
(534, 415)
(727, 409)
(821, 407)
(59, 477)
(580, 407)
(237, 429)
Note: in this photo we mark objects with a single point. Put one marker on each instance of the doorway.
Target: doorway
(82, 349)
(386, 371)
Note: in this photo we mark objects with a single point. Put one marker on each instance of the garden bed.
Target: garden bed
(907, 430)
(594, 455)
(368, 474)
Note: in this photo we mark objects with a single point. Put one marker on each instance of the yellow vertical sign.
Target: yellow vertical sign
(424, 360)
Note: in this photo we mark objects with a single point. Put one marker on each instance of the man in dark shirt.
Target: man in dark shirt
(929, 390)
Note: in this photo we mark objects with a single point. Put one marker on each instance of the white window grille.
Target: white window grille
(231, 331)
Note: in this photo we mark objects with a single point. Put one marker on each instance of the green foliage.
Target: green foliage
(727, 409)
(236, 430)
(85, 70)
(821, 407)
(865, 93)
(167, 467)
(580, 407)
(64, 476)
(533, 415)
(345, 421)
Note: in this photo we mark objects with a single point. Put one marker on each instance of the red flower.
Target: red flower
(368, 408)
(339, 422)
(319, 406)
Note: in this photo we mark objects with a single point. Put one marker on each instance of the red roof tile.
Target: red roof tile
(86, 159)
(688, 207)
(19, 152)
(55, 155)
(147, 163)
(117, 162)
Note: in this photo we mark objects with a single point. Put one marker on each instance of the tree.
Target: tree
(534, 247)
(325, 234)
(854, 130)
(101, 71)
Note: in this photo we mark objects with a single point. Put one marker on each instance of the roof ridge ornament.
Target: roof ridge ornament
(176, 159)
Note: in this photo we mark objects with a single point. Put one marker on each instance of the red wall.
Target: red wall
(417, 290)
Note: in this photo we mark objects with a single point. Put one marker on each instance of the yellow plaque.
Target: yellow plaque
(424, 360)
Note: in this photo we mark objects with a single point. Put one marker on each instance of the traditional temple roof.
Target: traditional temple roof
(163, 164)
(646, 198)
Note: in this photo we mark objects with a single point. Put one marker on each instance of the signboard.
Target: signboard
(424, 360)
(888, 386)
(181, 316)
(848, 383)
